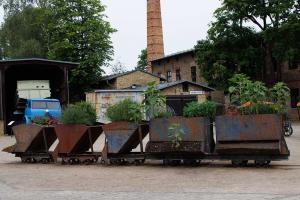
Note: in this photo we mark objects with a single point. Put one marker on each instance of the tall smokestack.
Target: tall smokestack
(155, 41)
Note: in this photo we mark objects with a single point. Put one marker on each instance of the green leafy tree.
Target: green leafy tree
(22, 34)
(79, 32)
(142, 62)
(249, 37)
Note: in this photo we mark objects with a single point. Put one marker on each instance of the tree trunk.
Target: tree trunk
(270, 69)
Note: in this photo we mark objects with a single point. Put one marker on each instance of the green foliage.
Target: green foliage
(22, 34)
(195, 109)
(176, 134)
(142, 62)
(280, 93)
(154, 102)
(80, 113)
(243, 90)
(79, 32)
(126, 110)
(250, 37)
(259, 98)
(162, 115)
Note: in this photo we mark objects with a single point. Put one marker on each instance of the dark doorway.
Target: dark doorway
(177, 103)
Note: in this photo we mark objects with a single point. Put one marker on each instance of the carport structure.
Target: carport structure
(12, 71)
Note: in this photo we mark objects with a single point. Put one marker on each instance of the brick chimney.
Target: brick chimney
(155, 41)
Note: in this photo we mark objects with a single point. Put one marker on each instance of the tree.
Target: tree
(22, 34)
(78, 32)
(118, 68)
(263, 22)
(142, 62)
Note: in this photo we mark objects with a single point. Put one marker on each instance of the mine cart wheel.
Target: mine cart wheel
(71, 161)
(115, 161)
(94, 160)
(45, 160)
(166, 162)
(175, 162)
(262, 163)
(63, 162)
(23, 160)
(189, 162)
(87, 161)
(138, 162)
(239, 163)
(103, 162)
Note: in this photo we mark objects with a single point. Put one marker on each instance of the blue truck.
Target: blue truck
(42, 107)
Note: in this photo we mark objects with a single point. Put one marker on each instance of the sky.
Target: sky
(183, 25)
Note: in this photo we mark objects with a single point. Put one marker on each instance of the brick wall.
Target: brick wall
(183, 62)
(137, 78)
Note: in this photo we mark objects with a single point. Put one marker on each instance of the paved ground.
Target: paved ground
(212, 180)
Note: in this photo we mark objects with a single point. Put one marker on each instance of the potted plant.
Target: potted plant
(126, 130)
(191, 133)
(256, 125)
(78, 132)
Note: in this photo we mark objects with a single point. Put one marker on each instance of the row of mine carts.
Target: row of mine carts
(238, 139)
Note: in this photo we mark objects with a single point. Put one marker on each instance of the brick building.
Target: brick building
(291, 76)
(178, 66)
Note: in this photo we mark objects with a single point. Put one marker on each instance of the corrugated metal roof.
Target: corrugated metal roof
(36, 60)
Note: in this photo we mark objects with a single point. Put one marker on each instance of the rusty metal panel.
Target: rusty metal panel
(30, 138)
(195, 129)
(250, 134)
(249, 128)
(122, 137)
(76, 138)
(197, 137)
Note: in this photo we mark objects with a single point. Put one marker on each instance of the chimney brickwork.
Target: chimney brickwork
(155, 41)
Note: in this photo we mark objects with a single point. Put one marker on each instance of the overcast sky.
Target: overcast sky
(184, 22)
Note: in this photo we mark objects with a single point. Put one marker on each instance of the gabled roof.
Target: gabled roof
(36, 61)
(171, 84)
(175, 54)
(160, 86)
(114, 76)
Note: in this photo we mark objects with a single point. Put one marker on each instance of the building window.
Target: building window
(178, 76)
(169, 76)
(185, 87)
(294, 97)
(194, 74)
(293, 64)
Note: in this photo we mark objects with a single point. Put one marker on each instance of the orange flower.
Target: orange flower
(247, 104)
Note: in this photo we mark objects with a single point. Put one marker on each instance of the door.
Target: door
(177, 103)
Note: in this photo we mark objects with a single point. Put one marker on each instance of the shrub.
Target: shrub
(154, 101)
(80, 113)
(195, 109)
(261, 99)
(126, 110)
(162, 115)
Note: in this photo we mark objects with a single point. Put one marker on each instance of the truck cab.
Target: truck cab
(42, 107)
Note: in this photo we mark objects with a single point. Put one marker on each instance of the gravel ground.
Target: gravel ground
(212, 180)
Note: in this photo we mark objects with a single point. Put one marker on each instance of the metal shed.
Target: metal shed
(12, 71)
